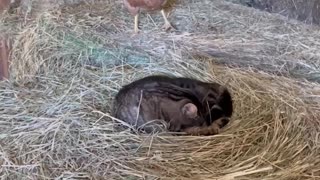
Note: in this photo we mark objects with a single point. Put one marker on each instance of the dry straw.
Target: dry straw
(69, 63)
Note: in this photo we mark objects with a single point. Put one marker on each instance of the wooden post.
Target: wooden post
(5, 48)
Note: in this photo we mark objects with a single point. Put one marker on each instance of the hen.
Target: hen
(134, 7)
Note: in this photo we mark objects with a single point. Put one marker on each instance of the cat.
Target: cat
(183, 103)
(139, 103)
(214, 98)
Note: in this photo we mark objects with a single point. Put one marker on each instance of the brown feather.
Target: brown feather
(134, 6)
(4, 4)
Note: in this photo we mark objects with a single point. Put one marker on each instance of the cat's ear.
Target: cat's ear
(190, 110)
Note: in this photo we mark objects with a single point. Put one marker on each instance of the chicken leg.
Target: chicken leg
(136, 23)
(167, 25)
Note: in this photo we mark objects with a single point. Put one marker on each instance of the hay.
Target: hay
(68, 64)
(232, 34)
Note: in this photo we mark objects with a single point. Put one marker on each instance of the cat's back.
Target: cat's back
(132, 94)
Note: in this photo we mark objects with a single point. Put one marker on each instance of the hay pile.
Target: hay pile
(69, 63)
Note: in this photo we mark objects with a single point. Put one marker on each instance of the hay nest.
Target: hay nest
(69, 63)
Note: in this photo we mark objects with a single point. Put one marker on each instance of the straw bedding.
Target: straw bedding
(69, 63)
